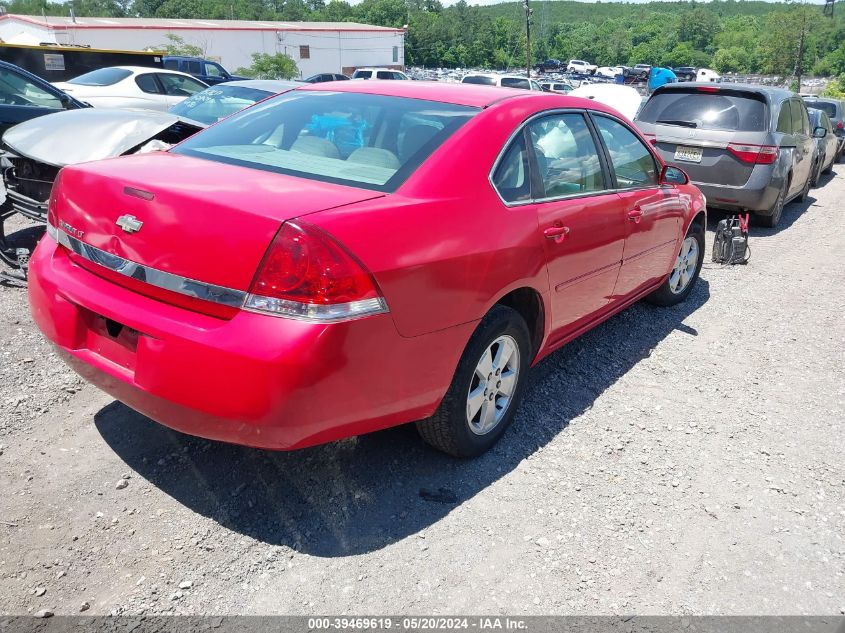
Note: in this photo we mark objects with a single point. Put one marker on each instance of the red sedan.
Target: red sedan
(352, 256)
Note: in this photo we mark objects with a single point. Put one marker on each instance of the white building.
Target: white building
(316, 47)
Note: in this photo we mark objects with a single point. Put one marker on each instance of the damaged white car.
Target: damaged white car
(35, 151)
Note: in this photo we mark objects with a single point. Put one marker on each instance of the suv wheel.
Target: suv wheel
(806, 190)
(771, 220)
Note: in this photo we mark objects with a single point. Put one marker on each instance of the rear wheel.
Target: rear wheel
(486, 389)
(817, 171)
(829, 169)
(806, 190)
(685, 272)
(773, 218)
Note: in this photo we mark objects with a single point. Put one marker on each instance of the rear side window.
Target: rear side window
(148, 84)
(171, 64)
(101, 77)
(632, 163)
(363, 74)
(515, 82)
(511, 177)
(800, 124)
(785, 118)
(722, 110)
(193, 67)
(384, 74)
(479, 79)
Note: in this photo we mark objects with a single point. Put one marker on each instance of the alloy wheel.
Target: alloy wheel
(493, 385)
(685, 266)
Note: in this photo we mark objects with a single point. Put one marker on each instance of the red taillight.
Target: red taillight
(651, 138)
(307, 274)
(52, 211)
(754, 154)
(840, 125)
(707, 89)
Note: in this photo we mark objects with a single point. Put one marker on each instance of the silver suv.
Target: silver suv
(748, 148)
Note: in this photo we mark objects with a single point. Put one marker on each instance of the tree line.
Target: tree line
(727, 35)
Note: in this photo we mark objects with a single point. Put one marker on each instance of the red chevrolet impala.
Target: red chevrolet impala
(351, 256)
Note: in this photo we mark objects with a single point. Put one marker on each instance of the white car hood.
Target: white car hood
(79, 136)
(624, 99)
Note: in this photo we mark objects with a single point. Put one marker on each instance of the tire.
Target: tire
(774, 217)
(680, 282)
(806, 190)
(817, 172)
(451, 429)
(829, 169)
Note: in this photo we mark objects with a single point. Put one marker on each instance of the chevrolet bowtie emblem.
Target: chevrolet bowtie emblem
(129, 223)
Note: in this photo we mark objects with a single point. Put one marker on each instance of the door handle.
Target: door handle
(557, 232)
(635, 215)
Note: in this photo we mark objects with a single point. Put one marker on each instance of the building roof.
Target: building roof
(53, 22)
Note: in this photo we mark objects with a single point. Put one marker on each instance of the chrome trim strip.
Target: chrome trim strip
(154, 277)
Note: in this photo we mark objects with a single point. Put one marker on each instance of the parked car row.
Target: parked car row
(747, 148)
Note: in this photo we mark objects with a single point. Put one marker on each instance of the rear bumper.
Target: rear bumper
(758, 194)
(253, 379)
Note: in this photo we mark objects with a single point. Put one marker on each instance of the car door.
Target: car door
(804, 143)
(22, 99)
(153, 96)
(213, 73)
(653, 213)
(580, 219)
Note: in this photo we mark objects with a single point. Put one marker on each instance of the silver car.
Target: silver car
(835, 109)
(748, 148)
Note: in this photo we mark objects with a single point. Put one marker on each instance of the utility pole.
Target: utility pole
(799, 63)
(528, 12)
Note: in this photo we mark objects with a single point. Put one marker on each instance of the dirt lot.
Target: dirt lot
(684, 461)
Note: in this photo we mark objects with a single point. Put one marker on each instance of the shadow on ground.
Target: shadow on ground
(791, 212)
(361, 494)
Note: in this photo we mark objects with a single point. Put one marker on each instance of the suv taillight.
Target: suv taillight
(307, 274)
(754, 154)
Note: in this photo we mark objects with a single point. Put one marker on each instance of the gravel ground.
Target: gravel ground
(684, 461)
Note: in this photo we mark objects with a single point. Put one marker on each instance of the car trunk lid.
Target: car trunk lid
(189, 218)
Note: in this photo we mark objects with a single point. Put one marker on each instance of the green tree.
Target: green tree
(264, 66)
(734, 59)
(177, 46)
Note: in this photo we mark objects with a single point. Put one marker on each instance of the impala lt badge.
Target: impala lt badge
(129, 223)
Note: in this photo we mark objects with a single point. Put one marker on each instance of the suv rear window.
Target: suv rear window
(101, 77)
(479, 79)
(369, 141)
(828, 107)
(722, 110)
(515, 82)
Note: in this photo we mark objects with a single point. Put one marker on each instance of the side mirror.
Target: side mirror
(819, 132)
(545, 88)
(67, 102)
(673, 176)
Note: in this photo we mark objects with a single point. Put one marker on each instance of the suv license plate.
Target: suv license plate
(688, 154)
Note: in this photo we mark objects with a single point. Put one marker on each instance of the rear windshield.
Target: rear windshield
(828, 107)
(479, 79)
(723, 110)
(370, 141)
(218, 102)
(101, 77)
(515, 82)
